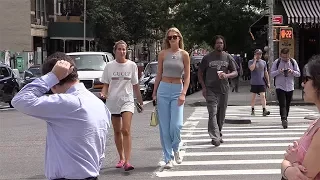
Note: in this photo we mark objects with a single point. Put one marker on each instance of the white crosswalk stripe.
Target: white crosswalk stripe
(249, 151)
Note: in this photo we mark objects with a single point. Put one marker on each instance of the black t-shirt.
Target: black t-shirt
(211, 64)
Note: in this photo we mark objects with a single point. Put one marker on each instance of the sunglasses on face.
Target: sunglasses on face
(306, 79)
(172, 37)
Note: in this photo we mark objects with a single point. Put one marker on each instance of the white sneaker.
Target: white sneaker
(177, 157)
(169, 165)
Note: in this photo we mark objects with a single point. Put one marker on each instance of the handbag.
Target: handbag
(154, 121)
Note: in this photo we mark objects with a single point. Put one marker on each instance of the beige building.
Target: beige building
(23, 28)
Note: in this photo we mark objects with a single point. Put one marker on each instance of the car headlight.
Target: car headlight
(97, 84)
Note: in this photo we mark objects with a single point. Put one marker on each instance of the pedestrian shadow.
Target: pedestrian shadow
(42, 177)
(137, 170)
(198, 143)
(153, 149)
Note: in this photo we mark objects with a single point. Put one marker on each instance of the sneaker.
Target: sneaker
(284, 123)
(177, 157)
(120, 164)
(266, 113)
(221, 140)
(169, 165)
(128, 167)
(215, 143)
(252, 113)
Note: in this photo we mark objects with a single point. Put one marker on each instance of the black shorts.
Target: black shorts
(257, 89)
(118, 115)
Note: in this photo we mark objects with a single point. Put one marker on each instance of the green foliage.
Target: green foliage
(198, 20)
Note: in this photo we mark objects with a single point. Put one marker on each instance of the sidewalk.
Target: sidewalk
(244, 97)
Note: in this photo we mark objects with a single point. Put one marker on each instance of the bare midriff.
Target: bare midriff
(172, 80)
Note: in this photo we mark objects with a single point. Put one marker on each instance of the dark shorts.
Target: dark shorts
(118, 115)
(257, 89)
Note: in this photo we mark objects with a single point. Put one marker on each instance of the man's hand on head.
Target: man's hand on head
(62, 69)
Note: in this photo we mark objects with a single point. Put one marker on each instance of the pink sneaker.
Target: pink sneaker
(120, 164)
(128, 167)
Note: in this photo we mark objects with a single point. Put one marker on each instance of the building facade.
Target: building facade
(299, 30)
(23, 30)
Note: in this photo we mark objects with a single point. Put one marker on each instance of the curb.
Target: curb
(238, 121)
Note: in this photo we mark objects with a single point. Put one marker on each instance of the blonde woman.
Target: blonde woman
(120, 78)
(302, 159)
(170, 90)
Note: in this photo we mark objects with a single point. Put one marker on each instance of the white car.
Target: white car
(90, 66)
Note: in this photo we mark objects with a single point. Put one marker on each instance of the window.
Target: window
(4, 71)
(90, 62)
(151, 69)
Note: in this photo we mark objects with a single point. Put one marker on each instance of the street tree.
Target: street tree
(200, 20)
(131, 20)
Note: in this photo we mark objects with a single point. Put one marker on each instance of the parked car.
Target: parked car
(90, 66)
(31, 74)
(9, 86)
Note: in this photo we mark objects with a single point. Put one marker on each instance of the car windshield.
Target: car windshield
(90, 62)
(151, 69)
(35, 71)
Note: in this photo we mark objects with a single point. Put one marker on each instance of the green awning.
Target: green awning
(72, 31)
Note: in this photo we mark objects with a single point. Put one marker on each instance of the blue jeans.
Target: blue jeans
(170, 117)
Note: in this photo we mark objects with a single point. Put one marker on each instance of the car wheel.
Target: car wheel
(14, 93)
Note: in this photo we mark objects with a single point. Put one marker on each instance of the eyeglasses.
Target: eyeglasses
(306, 79)
(173, 37)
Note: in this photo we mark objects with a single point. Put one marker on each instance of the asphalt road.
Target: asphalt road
(22, 145)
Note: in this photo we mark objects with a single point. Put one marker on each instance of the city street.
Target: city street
(250, 151)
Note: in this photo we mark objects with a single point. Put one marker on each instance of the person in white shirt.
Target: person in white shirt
(120, 78)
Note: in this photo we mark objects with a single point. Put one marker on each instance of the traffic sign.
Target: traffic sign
(277, 19)
(286, 33)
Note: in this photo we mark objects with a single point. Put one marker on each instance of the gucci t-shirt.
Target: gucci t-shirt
(121, 77)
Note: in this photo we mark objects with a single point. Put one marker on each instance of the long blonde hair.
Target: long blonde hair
(166, 44)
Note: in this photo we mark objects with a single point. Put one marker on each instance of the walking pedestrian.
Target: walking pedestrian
(77, 120)
(235, 81)
(259, 81)
(170, 88)
(213, 76)
(284, 70)
(120, 78)
(302, 159)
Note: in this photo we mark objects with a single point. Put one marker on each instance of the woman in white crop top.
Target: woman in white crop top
(120, 78)
(170, 89)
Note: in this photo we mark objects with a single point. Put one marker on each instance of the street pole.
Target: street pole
(271, 96)
(84, 23)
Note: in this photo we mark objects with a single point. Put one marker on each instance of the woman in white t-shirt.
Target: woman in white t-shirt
(120, 78)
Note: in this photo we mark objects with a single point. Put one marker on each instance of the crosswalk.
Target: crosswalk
(4, 106)
(249, 151)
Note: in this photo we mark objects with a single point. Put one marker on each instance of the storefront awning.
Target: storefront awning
(69, 31)
(302, 11)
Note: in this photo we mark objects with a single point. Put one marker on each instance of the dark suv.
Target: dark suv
(9, 86)
(31, 74)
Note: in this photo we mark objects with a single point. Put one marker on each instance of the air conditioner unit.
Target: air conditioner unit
(38, 21)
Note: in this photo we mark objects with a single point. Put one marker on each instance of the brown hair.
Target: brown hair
(51, 62)
(116, 45)
(285, 51)
(312, 70)
(214, 41)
